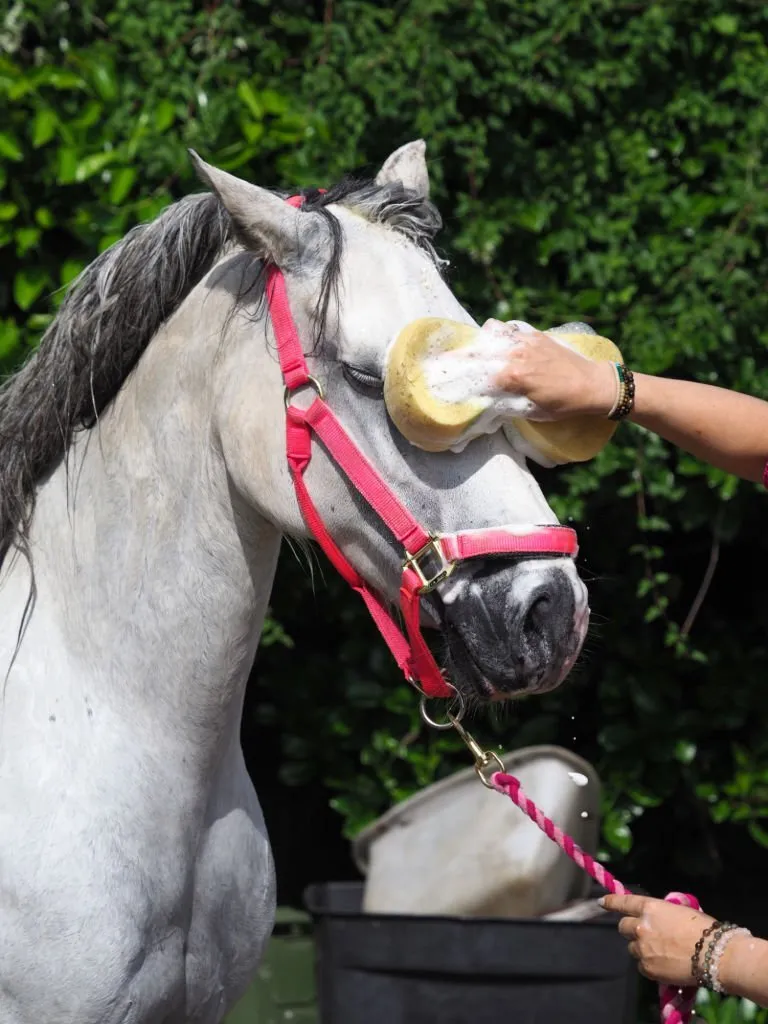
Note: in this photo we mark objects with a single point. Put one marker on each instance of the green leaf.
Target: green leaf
(59, 79)
(44, 217)
(10, 338)
(9, 146)
(104, 80)
(534, 217)
(69, 271)
(273, 633)
(66, 165)
(617, 833)
(253, 131)
(38, 322)
(121, 184)
(273, 102)
(109, 240)
(28, 285)
(26, 239)
(758, 833)
(725, 24)
(248, 97)
(165, 114)
(90, 165)
(8, 211)
(43, 126)
(749, 1010)
(685, 751)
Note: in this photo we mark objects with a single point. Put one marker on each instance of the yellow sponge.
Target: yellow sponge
(436, 416)
(426, 420)
(580, 438)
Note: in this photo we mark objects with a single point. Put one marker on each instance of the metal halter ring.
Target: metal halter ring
(310, 382)
(451, 720)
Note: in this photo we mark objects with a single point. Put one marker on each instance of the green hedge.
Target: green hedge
(594, 159)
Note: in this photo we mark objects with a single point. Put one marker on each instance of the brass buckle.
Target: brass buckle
(412, 561)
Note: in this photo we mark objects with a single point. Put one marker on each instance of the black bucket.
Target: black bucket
(398, 969)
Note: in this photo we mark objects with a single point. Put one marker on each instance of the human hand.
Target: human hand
(559, 381)
(662, 936)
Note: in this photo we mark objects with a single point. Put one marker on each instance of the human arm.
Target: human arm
(662, 937)
(744, 970)
(725, 428)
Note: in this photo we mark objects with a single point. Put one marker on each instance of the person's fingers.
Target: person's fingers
(629, 904)
(628, 927)
(646, 973)
(634, 950)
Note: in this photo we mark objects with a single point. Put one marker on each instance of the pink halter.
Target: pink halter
(429, 558)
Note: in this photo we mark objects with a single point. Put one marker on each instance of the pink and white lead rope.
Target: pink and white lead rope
(676, 1003)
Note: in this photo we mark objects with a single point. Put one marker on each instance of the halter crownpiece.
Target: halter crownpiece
(441, 391)
(428, 558)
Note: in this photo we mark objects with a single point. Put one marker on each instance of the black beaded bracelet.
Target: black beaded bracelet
(625, 396)
(696, 971)
(706, 970)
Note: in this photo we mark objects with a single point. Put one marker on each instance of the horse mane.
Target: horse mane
(114, 308)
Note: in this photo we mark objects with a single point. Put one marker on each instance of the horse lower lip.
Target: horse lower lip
(461, 654)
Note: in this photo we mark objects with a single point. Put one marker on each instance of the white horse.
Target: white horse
(143, 496)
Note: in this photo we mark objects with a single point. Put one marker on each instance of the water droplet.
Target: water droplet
(579, 778)
(585, 814)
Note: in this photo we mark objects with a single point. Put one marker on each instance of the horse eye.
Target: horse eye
(363, 380)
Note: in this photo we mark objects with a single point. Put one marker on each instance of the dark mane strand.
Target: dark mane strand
(110, 314)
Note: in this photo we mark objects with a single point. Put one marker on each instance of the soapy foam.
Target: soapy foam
(579, 778)
(469, 374)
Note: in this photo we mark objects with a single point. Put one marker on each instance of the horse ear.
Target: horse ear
(407, 164)
(264, 222)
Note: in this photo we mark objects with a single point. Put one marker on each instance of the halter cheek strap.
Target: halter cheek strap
(428, 558)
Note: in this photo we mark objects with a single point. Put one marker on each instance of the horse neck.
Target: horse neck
(155, 581)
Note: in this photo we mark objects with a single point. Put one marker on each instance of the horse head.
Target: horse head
(359, 264)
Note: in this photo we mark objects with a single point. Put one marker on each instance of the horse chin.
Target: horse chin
(471, 679)
(489, 682)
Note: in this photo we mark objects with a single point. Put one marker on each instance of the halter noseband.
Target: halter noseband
(430, 558)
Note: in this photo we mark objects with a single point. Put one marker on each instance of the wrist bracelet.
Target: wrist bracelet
(625, 393)
(718, 948)
(695, 969)
(705, 978)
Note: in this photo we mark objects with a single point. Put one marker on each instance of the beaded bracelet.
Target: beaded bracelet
(718, 948)
(625, 393)
(695, 969)
(705, 970)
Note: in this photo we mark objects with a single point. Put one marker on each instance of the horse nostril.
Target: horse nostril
(539, 613)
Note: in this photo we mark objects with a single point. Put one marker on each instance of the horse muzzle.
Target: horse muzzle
(513, 628)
